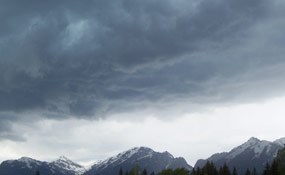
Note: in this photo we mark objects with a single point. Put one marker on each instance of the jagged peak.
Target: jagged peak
(134, 151)
(63, 158)
(180, 159)
(168, 154)
(141, 148)
(254, 144)
(280, 141)
(253, 140)
(142, 152)
(66, 164)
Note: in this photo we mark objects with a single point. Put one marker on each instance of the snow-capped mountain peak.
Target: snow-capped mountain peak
(68, 165)
(26, 165)
(258, 146)
(252, 153)
(141, 156)
(168, 154)
(26, 159)
(139, 149)
(253, 140)
(280, 141)
(123, 156)
(28, 162)
(63, 158)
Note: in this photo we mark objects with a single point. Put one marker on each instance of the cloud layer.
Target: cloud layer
(91, 59)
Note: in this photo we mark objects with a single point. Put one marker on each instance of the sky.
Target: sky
(89, 79)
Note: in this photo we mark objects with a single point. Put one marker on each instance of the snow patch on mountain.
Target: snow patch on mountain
(138, 156)
(238, 150)
(62, 166)
(28, 162)
(280, 141)
(254, 144)
(123, 156)
(68, 165)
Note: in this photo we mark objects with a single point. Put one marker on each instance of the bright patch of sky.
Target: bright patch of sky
(193, 136)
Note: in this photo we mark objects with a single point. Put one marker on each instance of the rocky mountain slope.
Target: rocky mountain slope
(140, 156)
(253, 153)
(29, 166)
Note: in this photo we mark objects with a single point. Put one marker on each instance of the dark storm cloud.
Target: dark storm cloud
(89, 58)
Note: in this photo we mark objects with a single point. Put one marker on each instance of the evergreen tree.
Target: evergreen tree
(254, 171)
(144, 172)
(193, 172)
(135, 170)
(209, 169)
(206, 169)
(121, 171)
(213, 170)
(127, 173)
(152, 173)
(178, 171)
(247, 172)
(281, 161)
(274, 170)
(266, 170)
(198, 172)
(234, 171)
(181, 171)
(166, 172)
(37, 173)
(224, 170)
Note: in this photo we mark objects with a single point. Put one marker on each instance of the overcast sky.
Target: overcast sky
(88, 79)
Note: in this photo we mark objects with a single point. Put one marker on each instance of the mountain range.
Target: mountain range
(29, 166)
(253, 153)
(143, 157)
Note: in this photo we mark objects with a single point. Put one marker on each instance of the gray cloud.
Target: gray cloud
(69, 58)
(7, 130)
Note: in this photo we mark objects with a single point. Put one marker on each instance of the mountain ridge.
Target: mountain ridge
(27, 165)
(254, 153)
(241, 156)
(143, 157)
